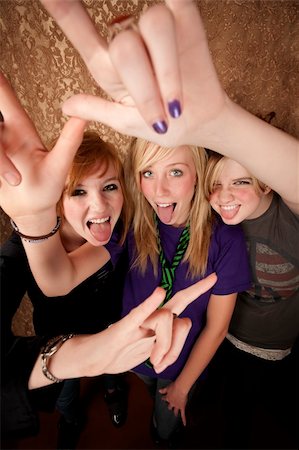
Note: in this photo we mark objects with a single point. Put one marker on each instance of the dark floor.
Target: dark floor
(202, 432)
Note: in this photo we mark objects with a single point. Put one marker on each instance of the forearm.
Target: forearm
(267, 152)
(64, 363)
(200, 356)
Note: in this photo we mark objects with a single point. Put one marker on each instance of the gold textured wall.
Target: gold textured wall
(254, 44)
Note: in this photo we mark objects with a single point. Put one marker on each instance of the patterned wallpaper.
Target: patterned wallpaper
(254, 44)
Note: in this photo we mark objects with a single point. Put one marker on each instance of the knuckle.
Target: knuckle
(166, 314)
(184, 324)
(120, 48)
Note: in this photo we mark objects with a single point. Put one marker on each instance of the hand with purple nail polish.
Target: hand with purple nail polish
(167, 90)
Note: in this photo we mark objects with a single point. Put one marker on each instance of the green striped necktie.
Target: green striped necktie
(168, 271)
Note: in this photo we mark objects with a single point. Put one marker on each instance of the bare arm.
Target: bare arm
(145, 332)
(267, 152)
(117, 349)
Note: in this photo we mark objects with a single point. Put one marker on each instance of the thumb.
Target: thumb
(122, 118)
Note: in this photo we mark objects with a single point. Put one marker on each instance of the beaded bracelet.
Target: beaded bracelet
(36, 239)
(51, 347)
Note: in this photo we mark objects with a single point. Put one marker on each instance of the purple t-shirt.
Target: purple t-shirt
(227, 257)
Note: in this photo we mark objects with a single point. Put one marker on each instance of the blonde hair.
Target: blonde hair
(213, 170)
(141, 155)
(92, 155)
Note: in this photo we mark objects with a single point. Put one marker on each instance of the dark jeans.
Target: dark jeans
(164, 419)
(68, 401)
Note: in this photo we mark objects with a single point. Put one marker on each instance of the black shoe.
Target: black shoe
(117, 402)
(68, 434)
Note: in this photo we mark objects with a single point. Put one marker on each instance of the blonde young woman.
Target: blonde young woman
(259, 355)
(173, 243)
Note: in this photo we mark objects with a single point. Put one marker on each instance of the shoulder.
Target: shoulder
(278, 220)
(229, 259)
(228, 245)
(285, 209)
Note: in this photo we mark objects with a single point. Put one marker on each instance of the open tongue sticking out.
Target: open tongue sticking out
(228, 214)
(165, 213)
(101, 231)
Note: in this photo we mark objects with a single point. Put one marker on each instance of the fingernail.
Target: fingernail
(1, 117)
(174, 109)
(160, 127)
(11, 178)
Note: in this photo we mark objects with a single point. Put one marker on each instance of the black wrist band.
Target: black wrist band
(36, 239)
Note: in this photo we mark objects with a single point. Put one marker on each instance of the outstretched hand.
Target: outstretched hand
(42, 171)
(146, 331)
(166, 351)
(150, 332)
(146, 76)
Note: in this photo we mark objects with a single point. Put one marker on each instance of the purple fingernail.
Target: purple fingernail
(160, 127)
(174, 109)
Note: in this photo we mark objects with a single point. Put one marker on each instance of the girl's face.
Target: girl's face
(95, 205)
(168, 185)
(235, 197)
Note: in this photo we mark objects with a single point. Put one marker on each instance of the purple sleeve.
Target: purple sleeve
(230, 260)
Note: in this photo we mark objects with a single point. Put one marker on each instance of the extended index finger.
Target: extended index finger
(16, 120)
(183, 298)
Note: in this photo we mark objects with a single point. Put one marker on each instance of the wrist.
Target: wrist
(36, 224)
